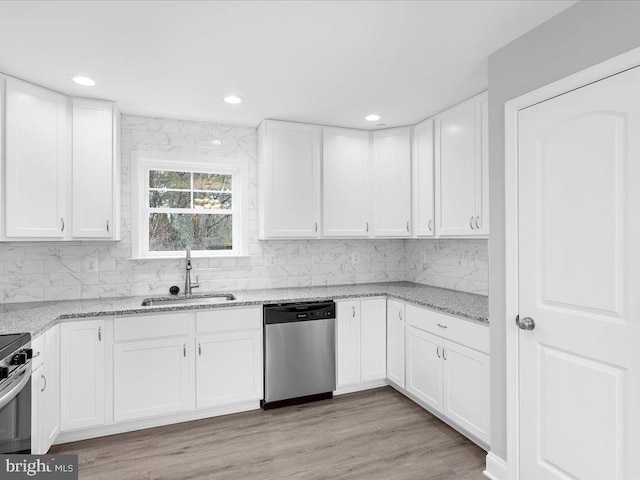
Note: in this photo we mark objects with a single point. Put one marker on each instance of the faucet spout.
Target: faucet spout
(188, 285)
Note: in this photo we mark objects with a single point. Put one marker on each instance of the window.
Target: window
(180, 205)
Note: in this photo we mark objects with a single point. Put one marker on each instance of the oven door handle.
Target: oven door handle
(18, 385)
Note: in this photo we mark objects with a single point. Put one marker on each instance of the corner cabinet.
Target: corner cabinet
(289, 180)
(73, 146)
(461, 169)
(422, 158)
(392, 182)
(345, 182)
(447, 368)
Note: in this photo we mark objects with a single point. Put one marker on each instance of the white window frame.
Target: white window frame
(143, 162)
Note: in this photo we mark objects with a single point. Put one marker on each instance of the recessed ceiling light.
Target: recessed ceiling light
(233, 99)
(372, 117)
(84, 81)
(216, 142)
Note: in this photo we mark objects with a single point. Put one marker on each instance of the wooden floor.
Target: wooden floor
(378, 434)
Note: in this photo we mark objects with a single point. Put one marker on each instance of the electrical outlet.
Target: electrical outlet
(355, 258)
(270, 260)
(91, 264)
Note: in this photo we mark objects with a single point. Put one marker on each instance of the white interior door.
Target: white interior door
(579, 279)
(345, 163)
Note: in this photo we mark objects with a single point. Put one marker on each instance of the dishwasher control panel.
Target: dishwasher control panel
(298, 312)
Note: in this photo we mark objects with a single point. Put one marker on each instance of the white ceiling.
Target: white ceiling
(327, 62)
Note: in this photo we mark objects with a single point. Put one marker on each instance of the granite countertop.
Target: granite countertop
(38, 316)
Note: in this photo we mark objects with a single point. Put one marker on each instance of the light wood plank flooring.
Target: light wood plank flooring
(377, 434)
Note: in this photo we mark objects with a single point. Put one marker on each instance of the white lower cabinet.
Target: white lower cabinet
(82, 374)
(424, 367)
(360, 343)
(450, 378)
(150, 377)
(395, 342)
(45, 391)
(466, 388)
(228, 368)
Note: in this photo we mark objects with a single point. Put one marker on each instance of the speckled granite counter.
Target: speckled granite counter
(38, 316)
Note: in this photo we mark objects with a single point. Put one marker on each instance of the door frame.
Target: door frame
(577, 80)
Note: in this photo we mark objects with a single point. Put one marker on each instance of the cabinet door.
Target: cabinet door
(82, 374)
(373, 339)
(482, 166)
(150, 378)
(229, 368)
(92, 169)
(348, 343)
(36, 161)
(457, 153)
(290, 180)
(466, 388)
(395, 342)
(345, 164)
(423, 184)
(392, 182)
(50, 391)
(424, 366)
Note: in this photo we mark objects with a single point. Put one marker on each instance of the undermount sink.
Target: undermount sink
(191, 300)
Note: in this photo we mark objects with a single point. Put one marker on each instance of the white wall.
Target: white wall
(56, 270)
(581, 36)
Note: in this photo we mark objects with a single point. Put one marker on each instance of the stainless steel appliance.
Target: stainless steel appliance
(299, 353)
(15, 393)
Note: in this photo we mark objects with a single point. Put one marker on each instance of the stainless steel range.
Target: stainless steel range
(15, 393)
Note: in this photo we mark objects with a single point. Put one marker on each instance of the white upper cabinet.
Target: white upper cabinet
(461, 168)
(392, 182)
(422, 176)
(93, 169)
(36, 162)
(61, 166)
(289, 180)
(345, 163)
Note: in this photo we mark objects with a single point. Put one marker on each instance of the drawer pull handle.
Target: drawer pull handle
(184, 350)
(442, 326)
(99, 334)
(353, 308)
(45, 383)
(438, 351)
(200, 349)
(444, 353)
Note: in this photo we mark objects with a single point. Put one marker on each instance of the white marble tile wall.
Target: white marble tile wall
(455, 264)
(56, 270)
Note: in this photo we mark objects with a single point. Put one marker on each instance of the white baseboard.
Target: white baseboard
(496, 468)
(130, 426)
(358, 387)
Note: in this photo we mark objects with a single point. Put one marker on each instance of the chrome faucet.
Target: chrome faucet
(187, 281)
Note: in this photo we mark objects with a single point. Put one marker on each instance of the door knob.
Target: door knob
(527, 323)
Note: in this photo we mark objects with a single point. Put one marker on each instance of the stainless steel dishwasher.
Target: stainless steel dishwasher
(299, 353)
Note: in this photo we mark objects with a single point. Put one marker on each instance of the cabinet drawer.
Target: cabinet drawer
(450, 327)
(228, 319)
(37, 345)
(151, 326)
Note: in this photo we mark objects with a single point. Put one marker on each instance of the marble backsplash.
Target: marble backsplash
(37, 271)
